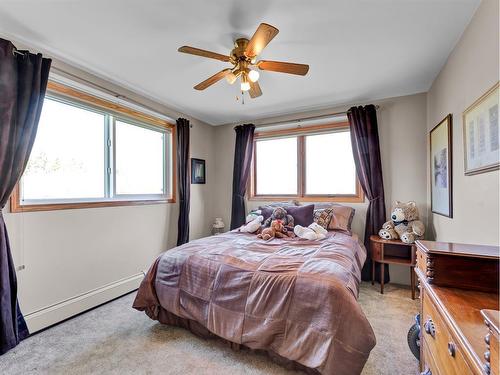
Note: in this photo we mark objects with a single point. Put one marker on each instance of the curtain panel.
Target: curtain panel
(184, 180)
(366, 151)
(243, 151)
(23, 82)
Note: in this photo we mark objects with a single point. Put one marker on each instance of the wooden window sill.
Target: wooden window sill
(311, 198)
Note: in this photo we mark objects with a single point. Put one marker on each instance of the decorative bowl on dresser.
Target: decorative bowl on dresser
(456, 282)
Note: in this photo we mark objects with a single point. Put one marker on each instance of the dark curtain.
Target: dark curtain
(184, 180)
(242, 160)
(23, 81)
(366, 150)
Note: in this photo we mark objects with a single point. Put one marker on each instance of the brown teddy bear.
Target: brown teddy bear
(275, 230)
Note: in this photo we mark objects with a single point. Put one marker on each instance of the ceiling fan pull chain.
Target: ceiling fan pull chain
(242, 97)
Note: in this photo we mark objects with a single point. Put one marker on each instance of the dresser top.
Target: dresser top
(459, 249)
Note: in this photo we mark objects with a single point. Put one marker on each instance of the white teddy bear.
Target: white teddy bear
(253, 225)
(312, 232)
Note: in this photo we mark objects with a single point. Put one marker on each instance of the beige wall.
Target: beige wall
(76, 259)
(402, 129)
(472, 68)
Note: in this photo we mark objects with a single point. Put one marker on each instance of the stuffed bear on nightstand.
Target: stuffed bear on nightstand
(404, 224)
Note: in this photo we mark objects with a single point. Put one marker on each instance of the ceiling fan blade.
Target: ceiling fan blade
(255, 90)
(210, 81)
(263, 35)
(283, 67)
(204, 53)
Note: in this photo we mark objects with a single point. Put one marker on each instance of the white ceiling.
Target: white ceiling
(358, 50)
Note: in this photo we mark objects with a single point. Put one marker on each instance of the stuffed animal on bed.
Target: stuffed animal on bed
(279, 213)
(312, 232)
(252, 226)
(404, 224)
(275, 230)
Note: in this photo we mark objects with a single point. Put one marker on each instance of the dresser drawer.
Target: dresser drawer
(429, 366)
(437, 339)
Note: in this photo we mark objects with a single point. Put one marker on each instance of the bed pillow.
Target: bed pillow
(323, 216)
(342, 218)
(302, 215)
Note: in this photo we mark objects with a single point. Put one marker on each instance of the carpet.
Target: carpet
(116, 339)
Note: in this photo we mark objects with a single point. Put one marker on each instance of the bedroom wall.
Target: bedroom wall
(471, 69)
(402, 129)
(77, 259)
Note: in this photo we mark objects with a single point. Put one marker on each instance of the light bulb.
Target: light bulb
(253, 75)
(231, 78)
(245, 86)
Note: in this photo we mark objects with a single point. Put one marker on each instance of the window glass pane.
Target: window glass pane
(276, 166)
(139, 160)
(67, 160)
(330, 165)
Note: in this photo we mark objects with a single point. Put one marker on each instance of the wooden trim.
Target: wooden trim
(305, 129)
(65, 91)
(68, 92)
(359, 197)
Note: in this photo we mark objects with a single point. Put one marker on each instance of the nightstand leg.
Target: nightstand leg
(412, 281)
(382, 268)
(373, 272)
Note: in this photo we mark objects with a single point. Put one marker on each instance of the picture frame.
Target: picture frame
(441, 163)
(198, 171)
(481, 134)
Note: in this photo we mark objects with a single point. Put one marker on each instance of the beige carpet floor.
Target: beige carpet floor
(115, 339)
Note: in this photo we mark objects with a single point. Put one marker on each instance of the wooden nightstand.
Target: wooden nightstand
(392, 252)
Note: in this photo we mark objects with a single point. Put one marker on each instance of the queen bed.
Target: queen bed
(295, 299)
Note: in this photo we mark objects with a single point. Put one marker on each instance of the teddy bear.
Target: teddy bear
(252, 225)
(404, 224)
(312, 232)
(275, 230)
(279, 213)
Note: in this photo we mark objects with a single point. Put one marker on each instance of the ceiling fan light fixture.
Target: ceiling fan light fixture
(253, 75)
(231, 78)
(245, 86)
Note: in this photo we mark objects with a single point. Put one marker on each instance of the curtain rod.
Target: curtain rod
(299, 120)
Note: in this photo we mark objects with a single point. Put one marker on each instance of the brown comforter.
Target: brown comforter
(291, 297)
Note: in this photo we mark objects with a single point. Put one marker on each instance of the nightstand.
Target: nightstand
(392, 252)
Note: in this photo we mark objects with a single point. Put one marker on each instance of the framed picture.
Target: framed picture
(481, 139)
(441, 164)
(197, 171)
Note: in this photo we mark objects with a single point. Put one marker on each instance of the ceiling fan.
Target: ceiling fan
(243, 57)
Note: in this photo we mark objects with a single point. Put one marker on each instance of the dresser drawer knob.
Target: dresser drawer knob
(429, 327)
(427, 371)
(487, 356)
(487, 368)
(487, 339)
(451, 349)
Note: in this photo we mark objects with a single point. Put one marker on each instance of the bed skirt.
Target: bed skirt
(166, 317)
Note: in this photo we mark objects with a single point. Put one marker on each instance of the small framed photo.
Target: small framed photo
(481, 139)
(198, 171)
(441, 164)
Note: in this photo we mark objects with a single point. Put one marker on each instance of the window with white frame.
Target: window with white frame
(306, 164)
(85, 153)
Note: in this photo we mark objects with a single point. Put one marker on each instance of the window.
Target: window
(89, 152)
(306, 164)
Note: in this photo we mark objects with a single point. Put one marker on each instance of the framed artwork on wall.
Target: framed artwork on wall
(441, 165)
(198, 171)
(481, 138)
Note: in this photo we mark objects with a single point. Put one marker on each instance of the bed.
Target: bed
(293, 298)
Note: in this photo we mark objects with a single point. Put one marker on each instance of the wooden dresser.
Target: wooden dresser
(456, 282)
